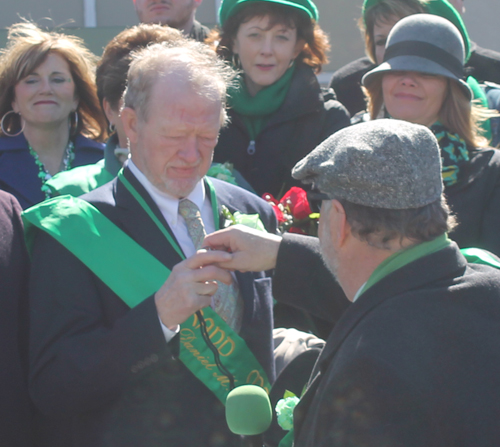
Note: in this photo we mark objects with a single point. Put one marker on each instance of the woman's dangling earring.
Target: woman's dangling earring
(2, 124)
(290, 65)
(112, 128)
(235, 60)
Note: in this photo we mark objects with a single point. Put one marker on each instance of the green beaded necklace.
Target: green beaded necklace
(44, 174)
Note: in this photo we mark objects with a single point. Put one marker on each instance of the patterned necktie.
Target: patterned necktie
(227, 301)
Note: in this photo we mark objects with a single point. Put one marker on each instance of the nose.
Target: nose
(45, 86)
(190, 152)
(267, 46)
(407, 78)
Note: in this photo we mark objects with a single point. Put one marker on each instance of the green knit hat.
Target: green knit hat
(230, 7)
(440, 8)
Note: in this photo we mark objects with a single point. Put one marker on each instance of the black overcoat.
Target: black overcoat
(307, 117)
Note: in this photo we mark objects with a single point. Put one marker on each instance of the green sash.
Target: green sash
(80, 180)
(134, 275)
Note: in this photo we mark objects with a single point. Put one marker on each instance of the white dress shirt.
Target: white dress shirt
(169, 207)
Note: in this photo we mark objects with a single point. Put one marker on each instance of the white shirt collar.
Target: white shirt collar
(168, 204)
(358, 293)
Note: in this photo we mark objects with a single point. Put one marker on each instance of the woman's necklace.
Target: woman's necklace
(44, 174)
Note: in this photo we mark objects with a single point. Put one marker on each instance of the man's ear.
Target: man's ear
(340, 225)
(130, 124)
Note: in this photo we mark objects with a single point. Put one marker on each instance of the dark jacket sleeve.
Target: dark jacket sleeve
(367, 404)
(336, 115)
(15, 407)
(301, 279)
(80, 357)
(484, 64)
(490, 224)
(346, 82)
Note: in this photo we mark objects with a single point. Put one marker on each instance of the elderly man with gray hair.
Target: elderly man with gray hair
(136, 335)
(413, 360)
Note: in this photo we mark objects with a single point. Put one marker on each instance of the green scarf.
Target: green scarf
(255, 110)
(404, 257)
(454, 153)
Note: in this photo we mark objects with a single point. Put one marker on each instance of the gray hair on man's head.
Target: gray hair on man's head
(191, 62)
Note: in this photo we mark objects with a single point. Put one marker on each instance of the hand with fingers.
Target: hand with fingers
(190, 286)
(252, 250)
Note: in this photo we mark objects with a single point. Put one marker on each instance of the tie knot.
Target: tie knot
(188, 210)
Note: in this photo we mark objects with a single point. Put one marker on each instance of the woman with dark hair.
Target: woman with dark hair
(111, 79)
(278, 111)
(421, 81)
(50, 115)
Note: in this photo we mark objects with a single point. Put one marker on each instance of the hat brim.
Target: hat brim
(312, 13)
(417, 64)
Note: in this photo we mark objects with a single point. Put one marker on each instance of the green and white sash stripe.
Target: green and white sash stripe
(134, 274)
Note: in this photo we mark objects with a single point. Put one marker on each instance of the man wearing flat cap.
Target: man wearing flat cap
(413, 360)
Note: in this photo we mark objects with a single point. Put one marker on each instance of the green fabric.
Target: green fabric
(103, 249)
(230, 7)
(440, 8)
(255, 110)
(479, 256)
(404, 257)
(454, 153)
(80, 180)
(84, 179)
(134, 275)
(478, 94)
(287, 440)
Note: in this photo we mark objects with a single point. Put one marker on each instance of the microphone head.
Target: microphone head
(248, 410)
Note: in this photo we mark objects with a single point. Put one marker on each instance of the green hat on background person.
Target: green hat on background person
(230, 7)
(441, 8)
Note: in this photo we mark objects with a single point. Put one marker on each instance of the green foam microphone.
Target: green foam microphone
(248, 410)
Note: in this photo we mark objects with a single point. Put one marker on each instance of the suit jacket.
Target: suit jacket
(109, 367)
(19, 172)
(15, 406)
(474, 201)
(413, 362)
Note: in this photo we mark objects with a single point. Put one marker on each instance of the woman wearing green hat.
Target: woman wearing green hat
(378, 18)
(278, 111)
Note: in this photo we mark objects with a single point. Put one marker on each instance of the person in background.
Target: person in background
(377, 20)
(50, 115)
(117, 305)
(278, 112)
(111, 80)
(16, 410)
(421, 82)
(179, 14)
(413, 361)
(483, 64)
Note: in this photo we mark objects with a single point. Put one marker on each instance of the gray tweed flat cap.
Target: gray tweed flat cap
(384, 163)
(424, 43)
